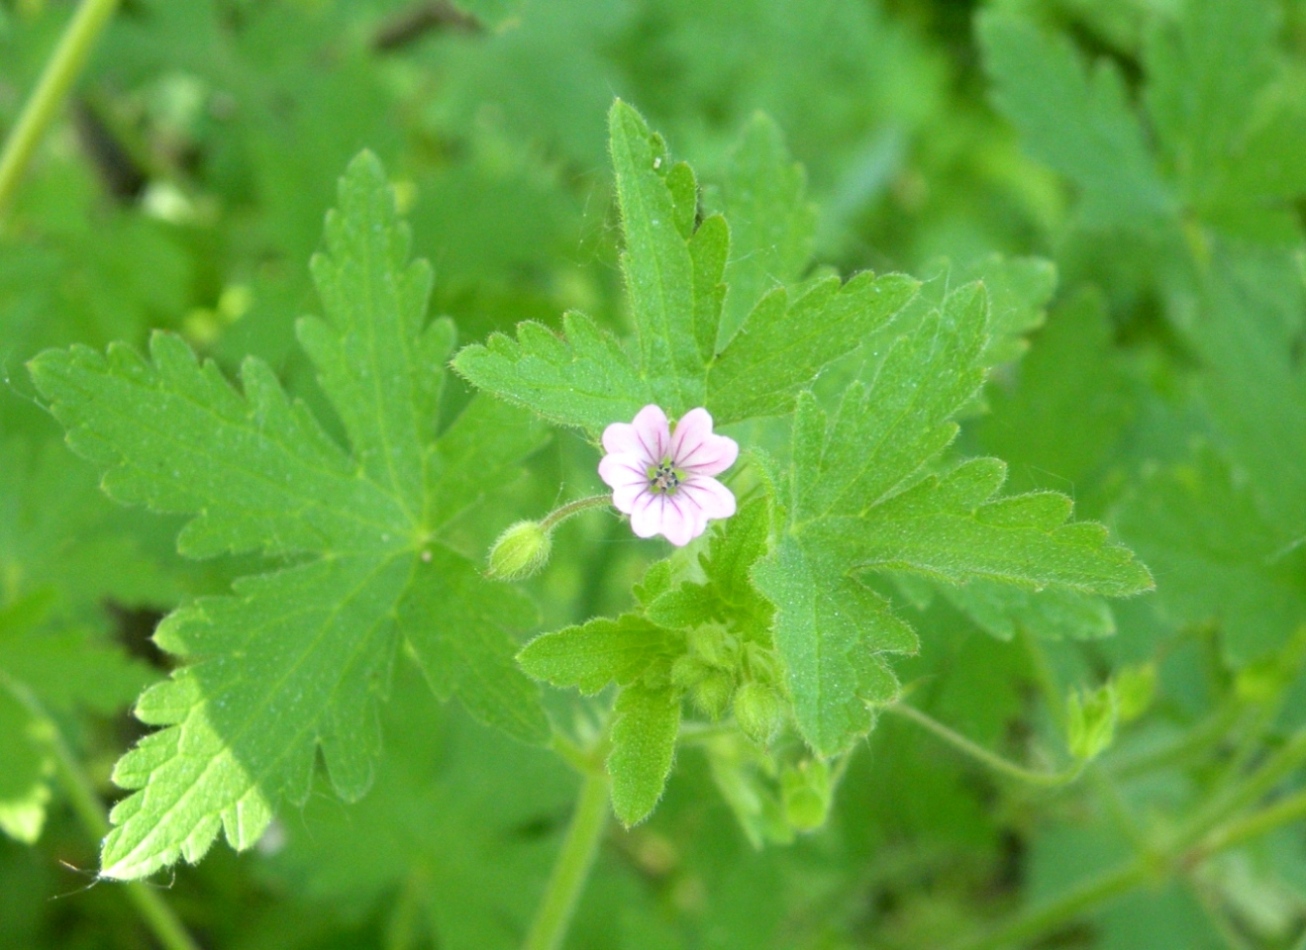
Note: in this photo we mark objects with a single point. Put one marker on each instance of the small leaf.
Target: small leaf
(644, 732)
(594, 654)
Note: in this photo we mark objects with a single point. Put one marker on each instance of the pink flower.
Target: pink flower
(662, 477)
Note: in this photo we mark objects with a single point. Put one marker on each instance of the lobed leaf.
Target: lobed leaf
(296, 660)
(1077, 121)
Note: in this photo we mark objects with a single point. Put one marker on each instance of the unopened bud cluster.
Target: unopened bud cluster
(719, 673)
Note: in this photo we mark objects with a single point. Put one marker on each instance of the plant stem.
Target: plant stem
(572, 869)
(60, 71)
(158, 916)
(559, 515)
(1246, 794)
(1258, 823)
(1195, 743)
(1039, 920)
(1201, 837)
(980, 754)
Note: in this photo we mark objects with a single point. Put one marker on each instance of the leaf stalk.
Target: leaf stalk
(982, 755)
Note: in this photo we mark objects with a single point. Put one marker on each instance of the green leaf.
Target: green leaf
(591, 655)
(887, 429)
(1218, 557)
(657, 263)
(955, 527)
(1052, 614)
(1060, 418)
(58, 531)
(468, 653)
(1253, 386)
(862, 497)
(1077, 121)
(295, 660)
(45, 670)
(446, 829)
(674, 269)
(644, 730)
(728, 595)
(583, 378)
(832, 635)
(772, 225)
(783, 344)
(1205, 73)
(1018, 288)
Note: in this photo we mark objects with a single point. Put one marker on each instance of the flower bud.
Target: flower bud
(712, 693)
(688, 671)
(1091, 722)
(806, 791)
(521, 552)
(711, 642)
(758, 711)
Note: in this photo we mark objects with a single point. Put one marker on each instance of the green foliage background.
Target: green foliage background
(1154, 151)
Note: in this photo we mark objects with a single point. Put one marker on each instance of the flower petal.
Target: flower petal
(695, 449)
(647, 437)
(680, 521)
(619, 469)
(709, 496)
(646, 514)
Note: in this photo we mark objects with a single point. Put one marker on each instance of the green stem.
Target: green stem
(157, 915)
(559, 515)
(1039, 920)
(1195, 744)
(1290, 809)
(980, 754)
(572, 869)
(1246, 794)
(1200, 838)
(62, 69)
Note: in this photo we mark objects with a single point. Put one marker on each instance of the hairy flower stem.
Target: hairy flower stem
(559, 515)
(64, 66)
(572, 869)
(1211, 830)
(158, 916)
(984, 756)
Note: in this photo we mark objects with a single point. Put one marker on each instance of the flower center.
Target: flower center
(663, 478)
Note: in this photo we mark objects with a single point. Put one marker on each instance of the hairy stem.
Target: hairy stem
(553, 916)
(982, 755)
(559, 515)
(158, 916)
(63, 67)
